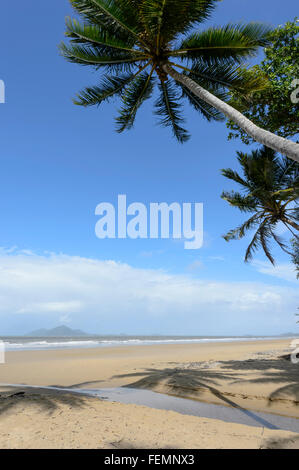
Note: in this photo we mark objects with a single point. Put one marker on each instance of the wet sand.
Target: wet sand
(255, 375)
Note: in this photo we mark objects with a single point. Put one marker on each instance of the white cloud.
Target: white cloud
(284, 271)
(60, 307)
(108, 293)
(217, 258)
(195, 265)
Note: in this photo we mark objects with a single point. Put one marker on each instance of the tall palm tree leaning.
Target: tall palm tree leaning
(270, 191)
(137, 42)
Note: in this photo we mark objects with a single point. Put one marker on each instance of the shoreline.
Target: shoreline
(61, 343)
(253, 375)
(245, 373)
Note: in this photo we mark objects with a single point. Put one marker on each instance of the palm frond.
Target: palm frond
(109, 87)
(280, 242)
(265, 236)
(234, 176)
(253, 246)
(166, 19)
(96, 36)
(207, 111)
(239, 232)
(288, 172)
(232, 43)
(84, 55)
(120, 18)
(244, 203)
(270, 185)
(169, 110)
(219, 77)
(135, 94)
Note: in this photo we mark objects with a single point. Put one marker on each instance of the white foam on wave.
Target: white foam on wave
(49, 344)
(88, 343)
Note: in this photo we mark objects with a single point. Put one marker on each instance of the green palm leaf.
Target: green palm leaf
(109, 87)
(133, 97)
(270, 185)
(118, 17)
(169, 110)
(244, 203)
(219, 77)
(216, 79)
(96, 36)
(231, 43)
(239, 232)
(252, 247)
(265, 234)
(85, 55)
(234, 176)
(166, 19)
(288, 172)
(207, 111)
(280, 242)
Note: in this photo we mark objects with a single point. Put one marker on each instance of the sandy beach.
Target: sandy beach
(254, 375)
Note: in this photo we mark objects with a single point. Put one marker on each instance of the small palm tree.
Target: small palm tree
(137, 42)
(271, 189)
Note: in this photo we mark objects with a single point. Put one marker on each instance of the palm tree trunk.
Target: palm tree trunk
(279, 144)
(291, 223)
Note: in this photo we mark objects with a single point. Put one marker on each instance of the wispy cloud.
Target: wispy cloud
(195, 265)
(48, 307)
(96, 292)
(285, 271)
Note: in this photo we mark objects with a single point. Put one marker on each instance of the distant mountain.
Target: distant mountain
(62, 331)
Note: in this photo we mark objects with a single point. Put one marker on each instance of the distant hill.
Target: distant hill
(62, 331)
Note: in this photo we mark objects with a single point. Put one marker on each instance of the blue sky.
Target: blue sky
(59, 161)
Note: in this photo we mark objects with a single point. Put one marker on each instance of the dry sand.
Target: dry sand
(249, 374)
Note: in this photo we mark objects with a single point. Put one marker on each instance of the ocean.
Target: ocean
(16, 343)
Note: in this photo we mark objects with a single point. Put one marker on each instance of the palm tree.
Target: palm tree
(270, 191)
(142, 42)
